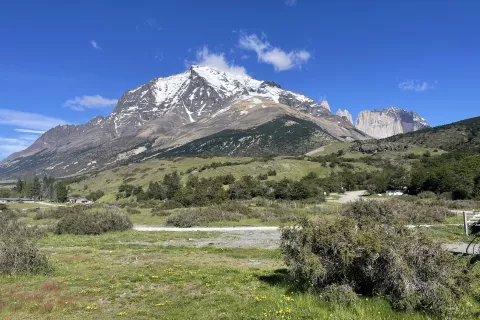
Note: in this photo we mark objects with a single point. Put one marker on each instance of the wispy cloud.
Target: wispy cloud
(218, 61)
(95, 45)
(89, 102)
(415, 85)
(152, 23)
(31, 125)
(290, 3)
(28, 120)
(266, 53)
(11, 145)
(29, 131)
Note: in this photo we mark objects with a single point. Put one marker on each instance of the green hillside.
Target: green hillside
(458, 136)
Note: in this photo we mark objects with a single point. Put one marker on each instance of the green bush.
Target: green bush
(158, 212)
(190, 217)
(279, 215)
(459, 204)
(228, 211)
(427, 195)
(341, 295)
(395, 211)
(171, 204)
(55, 213)
(403, 265)
(94, 220)
(18, 250)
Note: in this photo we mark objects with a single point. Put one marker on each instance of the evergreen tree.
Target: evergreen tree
(61, 192)
(172, 183)
(35, 189)
(19, 186)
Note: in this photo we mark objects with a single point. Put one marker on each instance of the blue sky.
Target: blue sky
(68, 61)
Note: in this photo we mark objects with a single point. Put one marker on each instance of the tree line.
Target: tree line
(46, 188)
(205, 191)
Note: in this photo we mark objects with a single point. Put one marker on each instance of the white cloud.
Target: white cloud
(95, 45)
(28, 120)
(29, 131)
(290, 3)
(415, 85)
(266, 53)
(218, 61)
(89, 102)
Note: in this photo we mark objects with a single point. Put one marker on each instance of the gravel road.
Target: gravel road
(349, 196)
(231, 237)
(252, 237)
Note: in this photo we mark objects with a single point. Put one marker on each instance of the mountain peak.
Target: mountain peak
(324, 104)
(347, 115)
(389, 122)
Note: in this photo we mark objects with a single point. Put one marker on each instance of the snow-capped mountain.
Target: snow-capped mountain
(195, 94)
(169, 112)
(389, 122)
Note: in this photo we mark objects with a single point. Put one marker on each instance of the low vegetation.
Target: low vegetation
(93, 220)
(365, 253)
(395, 212)
(18, 250)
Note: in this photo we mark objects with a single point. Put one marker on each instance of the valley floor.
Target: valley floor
(136, 275)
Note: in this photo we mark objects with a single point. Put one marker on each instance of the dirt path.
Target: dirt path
(349, 196)
(252, 237)
(231, 237)
(211, 229)
(461, 248)
(50, 204)
(313, 152)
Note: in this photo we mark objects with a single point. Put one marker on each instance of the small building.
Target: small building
(395, 193)
(16, 200)
(75, 200)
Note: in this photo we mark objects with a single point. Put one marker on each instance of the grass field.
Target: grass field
(21, 206)
(131, 275)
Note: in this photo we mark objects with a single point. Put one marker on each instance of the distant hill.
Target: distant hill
(458, 136)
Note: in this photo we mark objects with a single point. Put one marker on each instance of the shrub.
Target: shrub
(160, 212)
(427, 195)
(342, 295)
(410, 270)
(94, 196)
(394, 211)
(459, 204)
(171, 204)
(191, 217)
(18, 250)
(280, 215)
(94, 220)
(56, 213)
(272, 172)
(228, 211)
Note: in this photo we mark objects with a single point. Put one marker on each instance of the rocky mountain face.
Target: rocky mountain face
(389, 122)
(161, 116)
(347, 115)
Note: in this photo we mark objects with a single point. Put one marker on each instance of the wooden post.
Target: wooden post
(465, 225)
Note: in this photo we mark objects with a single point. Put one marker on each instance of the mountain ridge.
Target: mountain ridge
(168, 112)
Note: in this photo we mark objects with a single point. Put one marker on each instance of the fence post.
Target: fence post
(465, 224)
